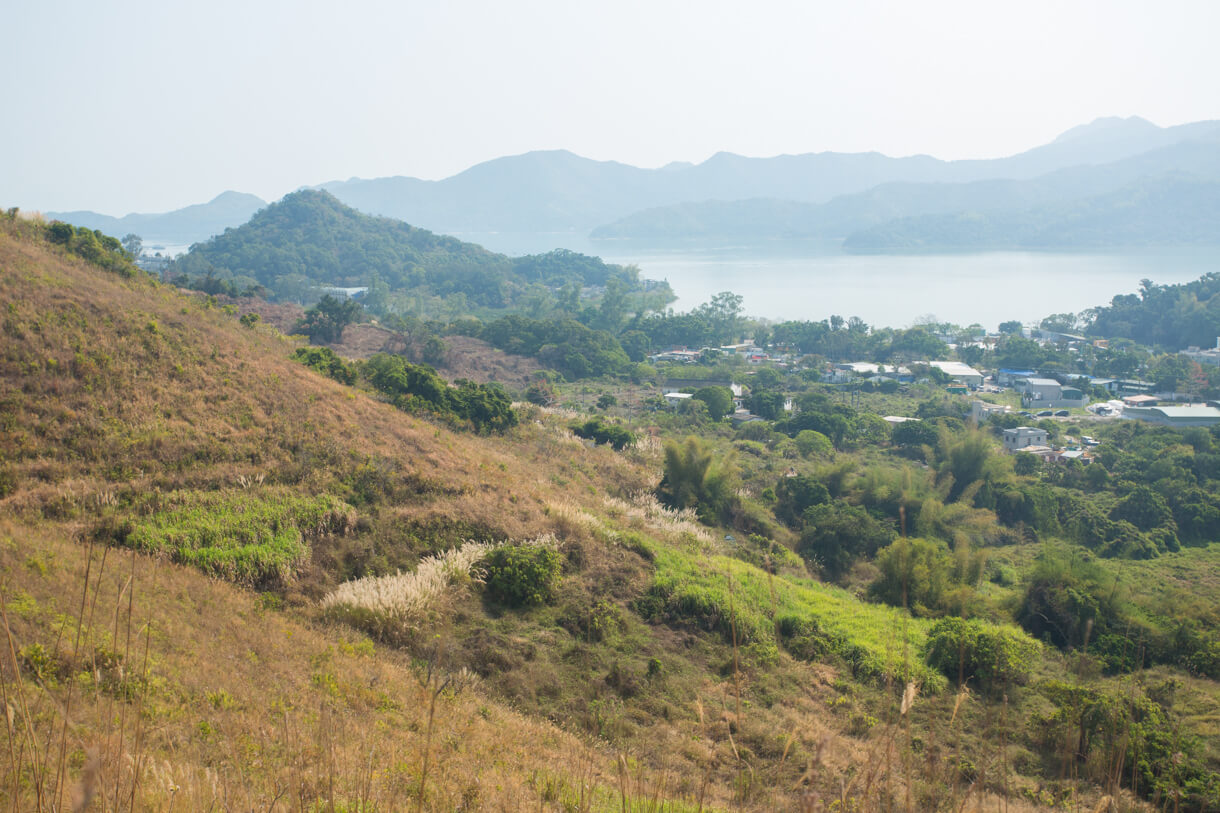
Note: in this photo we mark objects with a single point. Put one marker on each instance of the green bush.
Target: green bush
(521, 575)
(599, 430)
(325, 361)
(992, 655)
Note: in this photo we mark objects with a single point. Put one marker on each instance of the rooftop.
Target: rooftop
(954, 368)
(1194, 411)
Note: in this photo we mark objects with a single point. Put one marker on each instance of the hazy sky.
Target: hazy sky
(149, 106)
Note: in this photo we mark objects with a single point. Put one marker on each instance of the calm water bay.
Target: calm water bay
(804, 280)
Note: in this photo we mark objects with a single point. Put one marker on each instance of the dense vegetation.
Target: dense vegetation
(1170, 316)
(746, 613)
(417, 388)
(308, 242)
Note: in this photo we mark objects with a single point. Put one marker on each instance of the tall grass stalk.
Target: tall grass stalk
(388, 606)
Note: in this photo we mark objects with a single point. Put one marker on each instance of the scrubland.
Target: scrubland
(229, 582)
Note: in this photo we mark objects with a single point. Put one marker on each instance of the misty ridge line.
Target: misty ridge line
(823, 195)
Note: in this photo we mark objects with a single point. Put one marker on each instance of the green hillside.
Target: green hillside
(236, 574)
(309, 240)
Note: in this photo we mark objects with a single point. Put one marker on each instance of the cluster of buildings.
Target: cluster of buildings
(1131, 398)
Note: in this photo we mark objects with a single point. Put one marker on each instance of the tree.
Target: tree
(1012, 328)
(719, 401)
(915, 573)
(767, 404)
(1143, 508)
(696, 478)
(724, 313)
(809, 443)
(915, 433)
(837, 534)
(767, 378)
(1061, 323)
(636, 345)
(794, 495)
(133, 245)
(326, 321)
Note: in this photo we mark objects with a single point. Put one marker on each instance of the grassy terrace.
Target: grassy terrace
(738, 599)
(252, 537)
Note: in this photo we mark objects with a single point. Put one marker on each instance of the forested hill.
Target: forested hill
(1170, 316)
(309, 239)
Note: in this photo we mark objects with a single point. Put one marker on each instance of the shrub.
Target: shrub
(696, 478)
(521, 575)
(601, 431)
(975, 649)
(325, 361)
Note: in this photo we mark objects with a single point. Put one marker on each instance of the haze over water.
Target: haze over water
(810, 280)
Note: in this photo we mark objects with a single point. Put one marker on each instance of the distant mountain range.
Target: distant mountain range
(766, 219)
(825, 195)
(181, 226)
(1151, 212)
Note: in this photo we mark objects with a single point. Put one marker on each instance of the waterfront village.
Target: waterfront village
(1041, 394)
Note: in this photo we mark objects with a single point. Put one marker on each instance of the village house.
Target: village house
(1209, 356)
(980, 411)
(682, 356)
(676, 399)
(1024, 437)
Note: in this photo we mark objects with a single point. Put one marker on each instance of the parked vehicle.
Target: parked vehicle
(1063, 413)
(1046, 413)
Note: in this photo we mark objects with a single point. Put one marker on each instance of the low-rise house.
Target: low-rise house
(741, 416)
(980, 411)
(1209, 356)
(1141, 401)
(1044, 452)
(682, 356)
(676, 399)
(1024, 437)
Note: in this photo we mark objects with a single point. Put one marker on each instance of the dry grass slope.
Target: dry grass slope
(136, 683)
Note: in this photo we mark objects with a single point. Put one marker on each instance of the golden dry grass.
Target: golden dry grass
(112, 389)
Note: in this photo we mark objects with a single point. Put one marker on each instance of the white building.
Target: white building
(675, 399)
(958, 372)
(1209, 356)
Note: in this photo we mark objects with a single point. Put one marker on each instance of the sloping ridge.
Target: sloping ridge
(115, 390)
